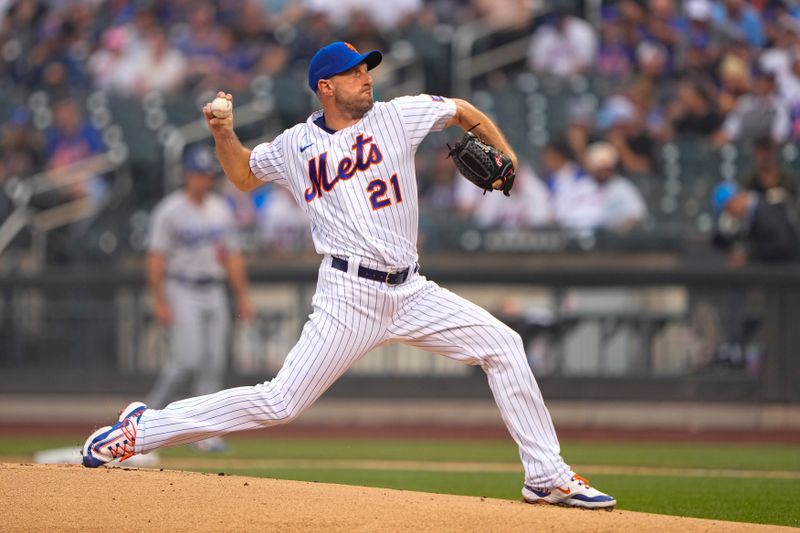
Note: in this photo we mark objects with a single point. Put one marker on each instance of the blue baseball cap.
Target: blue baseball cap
(722, 195)
(336, 58)
(200, 160)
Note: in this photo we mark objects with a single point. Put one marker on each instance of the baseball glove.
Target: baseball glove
(482, 164)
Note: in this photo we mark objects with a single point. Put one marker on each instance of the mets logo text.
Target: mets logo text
(366, 154)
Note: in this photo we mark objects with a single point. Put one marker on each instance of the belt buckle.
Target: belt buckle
(388, 275)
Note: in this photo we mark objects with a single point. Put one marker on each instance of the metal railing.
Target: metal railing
(401, 76)
(25, 191)
(467, 65)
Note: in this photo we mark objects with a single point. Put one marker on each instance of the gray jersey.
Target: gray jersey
(193, 238)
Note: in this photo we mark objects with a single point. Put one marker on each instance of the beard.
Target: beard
(356, 105)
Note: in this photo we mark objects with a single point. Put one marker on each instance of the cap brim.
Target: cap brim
(371, 59)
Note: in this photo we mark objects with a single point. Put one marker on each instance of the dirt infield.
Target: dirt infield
(73, 498)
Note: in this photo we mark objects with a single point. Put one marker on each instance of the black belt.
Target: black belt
(198, 282)
(391, 278)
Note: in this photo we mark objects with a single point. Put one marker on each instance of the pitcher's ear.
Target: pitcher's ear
(324, 87)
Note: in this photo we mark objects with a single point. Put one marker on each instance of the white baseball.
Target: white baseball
(221, 107)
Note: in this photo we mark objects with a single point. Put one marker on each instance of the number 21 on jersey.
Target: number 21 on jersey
(379, 197)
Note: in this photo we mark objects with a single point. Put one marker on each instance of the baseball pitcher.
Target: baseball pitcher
(350, 167)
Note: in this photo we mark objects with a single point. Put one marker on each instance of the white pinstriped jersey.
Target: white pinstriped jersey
(358, 185)
(358, 188)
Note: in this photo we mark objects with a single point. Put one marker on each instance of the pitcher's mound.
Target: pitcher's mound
(67, 497)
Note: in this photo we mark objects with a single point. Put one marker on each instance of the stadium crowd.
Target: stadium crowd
(726, 72)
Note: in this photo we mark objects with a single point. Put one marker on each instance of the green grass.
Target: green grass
(746, 499)
(27, 446)
(766, 501)
(675, 455)
(686, 455)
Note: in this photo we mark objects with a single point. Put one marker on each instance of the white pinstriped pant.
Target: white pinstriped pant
(352, 316)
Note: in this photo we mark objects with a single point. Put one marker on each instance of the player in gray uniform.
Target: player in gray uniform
(193, 248)
(350, 167)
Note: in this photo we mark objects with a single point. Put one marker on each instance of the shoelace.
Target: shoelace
(126, 448)
(581, 479)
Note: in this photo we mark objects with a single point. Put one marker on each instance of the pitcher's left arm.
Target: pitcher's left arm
(467, 116)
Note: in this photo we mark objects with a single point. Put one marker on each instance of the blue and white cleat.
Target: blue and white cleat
(133, 409)
(114, 442)
(576, 493)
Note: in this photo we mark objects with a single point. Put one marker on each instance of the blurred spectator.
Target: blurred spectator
(244, 205)
(701, 47)
(756, 227)
(785, 37)
(236, 62)
(502, 15)
(23, 153)
(530, 204)
(778, 15)
(291, 104)
(654, 85)
(69, 140)
(386, 15)
(363, 33)
(626, 129)
(55, 62)
(467, 197)
(698, 22)
(665, 28)
(563, 46)
(282, 225)
(527, 207)
(159, 66)
(779, 59)
(622, 207)
(767, 173)
(633, 14)
(615, 55)
(143, 22)
(438, 191)
(255, 36)
(199, 42)
(111, 65)
(314, 31)
(692, 112)
(572, 191)
(432, 47)
(56, 80)
(698, 64)
(783, 61)
(740, 16)
(580, 124)
(22, 20)
(758, 114)
(734, 79)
